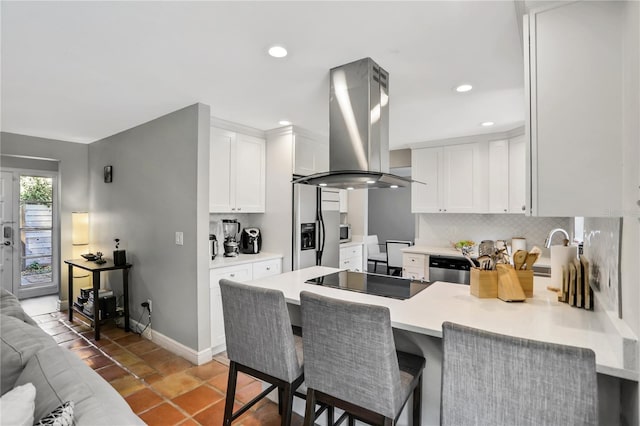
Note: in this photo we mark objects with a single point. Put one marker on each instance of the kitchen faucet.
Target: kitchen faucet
(547, 242)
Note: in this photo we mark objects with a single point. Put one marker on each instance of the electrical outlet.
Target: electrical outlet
(150, 307)
(179, 238)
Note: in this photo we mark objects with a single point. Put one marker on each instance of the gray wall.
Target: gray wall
(72, 172)
(390, 216)
(160, 186)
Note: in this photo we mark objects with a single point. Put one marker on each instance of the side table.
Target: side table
(95, 269)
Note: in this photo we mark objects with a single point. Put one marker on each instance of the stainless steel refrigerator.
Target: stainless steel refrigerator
(316, 226)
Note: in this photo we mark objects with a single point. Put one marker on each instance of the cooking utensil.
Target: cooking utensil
(531, 259)
(519, 258)
(486, 248)
(466, 256)
(484, 261)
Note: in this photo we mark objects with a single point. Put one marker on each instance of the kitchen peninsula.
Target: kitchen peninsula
(418, 322)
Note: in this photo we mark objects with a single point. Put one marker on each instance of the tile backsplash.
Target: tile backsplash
(602, 248)
(441, 229)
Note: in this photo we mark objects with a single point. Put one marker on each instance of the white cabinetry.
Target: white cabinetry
(455, 177)
(517, 175)
(351, 258)
(240, 273)
(574, 71)
(507, 171)
(415, 266)
(237, 172)
(311, 153)
(344, 201)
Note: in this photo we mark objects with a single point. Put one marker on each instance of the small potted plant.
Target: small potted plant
(119, 256)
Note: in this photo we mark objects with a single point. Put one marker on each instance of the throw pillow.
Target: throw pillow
(17, 405)
(61, 416)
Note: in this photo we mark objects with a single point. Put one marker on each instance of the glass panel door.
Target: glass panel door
(38, 263)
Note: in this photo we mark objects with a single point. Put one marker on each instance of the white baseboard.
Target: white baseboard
(171, 345)
(62, 305)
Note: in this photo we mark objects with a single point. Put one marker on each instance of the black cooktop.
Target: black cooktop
(379, 285)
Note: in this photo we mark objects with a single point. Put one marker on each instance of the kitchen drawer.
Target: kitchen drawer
(352, 264)
(235, 273)
(411, 260)
(415, 273)
(351, 251)
(267, 268)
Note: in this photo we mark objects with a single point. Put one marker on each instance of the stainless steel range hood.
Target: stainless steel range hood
(358, 130)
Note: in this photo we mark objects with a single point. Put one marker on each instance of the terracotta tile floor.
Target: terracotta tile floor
(161, 388)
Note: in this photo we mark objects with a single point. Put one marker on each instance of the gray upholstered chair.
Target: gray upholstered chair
(261, 343)
(492, 379)
(351, 362)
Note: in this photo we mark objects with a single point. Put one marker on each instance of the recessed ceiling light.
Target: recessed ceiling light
(464, 88)
(350, 188)
(371, 181)
(322, 184)
(277, 51)
(393, 186)
(284, 122)
(487, 124)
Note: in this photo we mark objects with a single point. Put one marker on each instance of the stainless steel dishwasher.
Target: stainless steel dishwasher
(450, 269)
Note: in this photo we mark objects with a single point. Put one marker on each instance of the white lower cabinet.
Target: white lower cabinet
(240, 273)
(415, 266)
(351, 258)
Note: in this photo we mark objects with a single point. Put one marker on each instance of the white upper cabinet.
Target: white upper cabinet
(426, 167)
(517, 175)
(237, 172)
(499, 176)
(311, 154)
(574, 71)
(344, 201)
(455, 177)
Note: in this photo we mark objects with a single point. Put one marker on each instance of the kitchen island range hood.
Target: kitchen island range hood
(358, 130)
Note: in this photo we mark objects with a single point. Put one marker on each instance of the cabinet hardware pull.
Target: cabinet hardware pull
(232, 275)
(268, 268)
(523, 208)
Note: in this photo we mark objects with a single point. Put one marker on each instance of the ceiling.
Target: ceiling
(81, 71)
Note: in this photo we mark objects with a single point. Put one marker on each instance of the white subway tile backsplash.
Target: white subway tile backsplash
(442, 229)
(602, 248)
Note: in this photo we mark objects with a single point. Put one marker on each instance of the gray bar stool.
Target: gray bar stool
(351, 362)
(492, 379)
(261, 343)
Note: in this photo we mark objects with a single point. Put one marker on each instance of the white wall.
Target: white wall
(74, 183)
(160, 186)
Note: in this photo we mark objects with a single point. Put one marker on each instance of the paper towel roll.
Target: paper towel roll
(561, 256)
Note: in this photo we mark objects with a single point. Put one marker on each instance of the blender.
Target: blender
(231, 228)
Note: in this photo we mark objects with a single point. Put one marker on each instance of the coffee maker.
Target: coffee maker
(250, 241)
(231, 228)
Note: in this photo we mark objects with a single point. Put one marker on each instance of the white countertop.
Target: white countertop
(351, 244)
(450, 251)
(540, 318)
(220, 261)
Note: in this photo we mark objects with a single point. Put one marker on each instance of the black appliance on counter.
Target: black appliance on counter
(250, 241)
(378, 285)
(450, 269)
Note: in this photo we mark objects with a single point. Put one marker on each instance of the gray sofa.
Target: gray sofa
(30, 355)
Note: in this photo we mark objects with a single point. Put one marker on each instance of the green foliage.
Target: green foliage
(34, 267)
(35, 189)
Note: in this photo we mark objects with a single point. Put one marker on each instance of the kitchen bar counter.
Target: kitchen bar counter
(541, 317)
(220, 261)
(418, 322)
(450, 251)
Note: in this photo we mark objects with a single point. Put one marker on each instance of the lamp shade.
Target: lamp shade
(79, 228)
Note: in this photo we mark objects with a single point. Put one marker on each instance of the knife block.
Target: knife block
(509, 288)
(525, 276)
(484, 284)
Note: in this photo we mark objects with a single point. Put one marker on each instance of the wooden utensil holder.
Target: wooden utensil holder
(525, 276)
(484, 284)
(509, 288)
